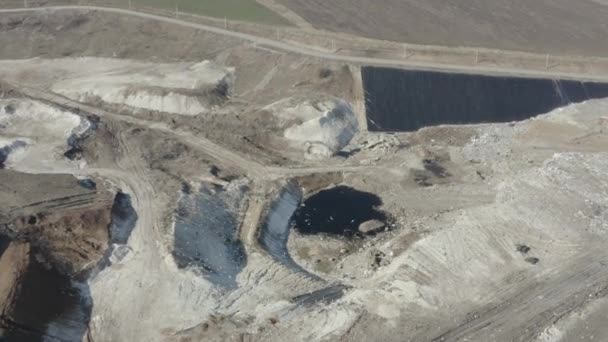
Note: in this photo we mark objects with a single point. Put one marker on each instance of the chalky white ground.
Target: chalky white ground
(546, 186)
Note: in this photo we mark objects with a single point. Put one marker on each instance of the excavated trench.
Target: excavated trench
(407, 100)
(206, 233)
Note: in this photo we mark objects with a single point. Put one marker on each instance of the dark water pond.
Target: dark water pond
(337, 211)
(124, 218)
(407, 100)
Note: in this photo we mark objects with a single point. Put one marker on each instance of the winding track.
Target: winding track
(308, 50)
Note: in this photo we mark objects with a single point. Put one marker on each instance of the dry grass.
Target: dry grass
(244, 10)
(560, 27)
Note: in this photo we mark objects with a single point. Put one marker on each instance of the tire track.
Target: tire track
(523, 315)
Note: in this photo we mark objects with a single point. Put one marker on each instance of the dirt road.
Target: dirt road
(219, 153)
(313, 51)
(215, 151)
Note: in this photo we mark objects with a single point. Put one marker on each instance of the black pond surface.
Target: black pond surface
(49, 307)
(206, 234)
(337, 211)
(4, 242)
(124, 218)
(123, 221)
(407, 100)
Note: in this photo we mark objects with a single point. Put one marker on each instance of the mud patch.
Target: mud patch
(87, 184)
(206, 232)
(9, 109)
(6, 150)
(436, 168)
(326, 295)
(337, 211)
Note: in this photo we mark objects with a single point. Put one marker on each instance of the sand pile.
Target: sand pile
(172, 88)
(177, 88)
(320, 128)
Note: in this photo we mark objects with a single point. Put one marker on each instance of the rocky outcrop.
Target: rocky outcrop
(371, 226)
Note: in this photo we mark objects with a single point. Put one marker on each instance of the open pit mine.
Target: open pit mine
(164, 182)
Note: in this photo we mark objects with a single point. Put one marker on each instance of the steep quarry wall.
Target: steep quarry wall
(54, 228)
(14, 260)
